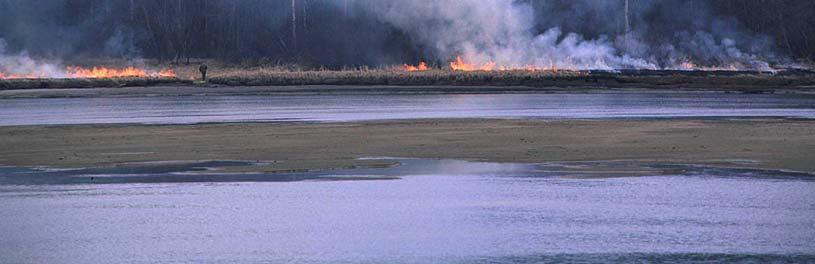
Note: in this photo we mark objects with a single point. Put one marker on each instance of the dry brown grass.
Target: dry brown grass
(16, 84)
(245, 74)
(439, 77)
(274, 76)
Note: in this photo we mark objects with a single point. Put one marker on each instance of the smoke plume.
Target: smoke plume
(21, 65)
(572, 34)
(547, 34)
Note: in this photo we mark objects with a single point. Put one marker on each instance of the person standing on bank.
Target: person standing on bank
(203, 70)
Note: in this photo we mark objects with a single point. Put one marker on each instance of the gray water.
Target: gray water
(430, 211)
(202, 109)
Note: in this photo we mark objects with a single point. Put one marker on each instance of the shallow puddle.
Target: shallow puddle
(212, 171)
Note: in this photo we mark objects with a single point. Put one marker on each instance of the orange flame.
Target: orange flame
(102, 72)
(460, 65)
(95, 72)
(421, 67)
(568, 64)
(17, 76)
(688, 65)
(166, 73)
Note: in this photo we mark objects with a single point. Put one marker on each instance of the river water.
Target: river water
(428, 211)
(332, 108)
(424, 211)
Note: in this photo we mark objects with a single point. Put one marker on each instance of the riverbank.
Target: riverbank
(79, 83)
(656, 79)
(771, 143)
(260, 81)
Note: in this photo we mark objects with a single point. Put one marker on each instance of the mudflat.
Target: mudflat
(770, 143)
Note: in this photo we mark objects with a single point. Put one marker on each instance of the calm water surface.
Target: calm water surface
(437, 211)
(198, 109)
(429, 211)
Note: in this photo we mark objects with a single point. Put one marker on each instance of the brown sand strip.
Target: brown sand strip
(775, 144)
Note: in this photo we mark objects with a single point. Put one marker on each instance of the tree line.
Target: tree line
(332, 33)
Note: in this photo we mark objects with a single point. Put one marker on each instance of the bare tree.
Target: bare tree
(627, 21)
(294, 23)
(627, 26)
(331, 32)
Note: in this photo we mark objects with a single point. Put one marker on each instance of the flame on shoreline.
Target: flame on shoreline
(93, 73)
(460, 65)
(688, 65)
(421, 67)
(17, 76)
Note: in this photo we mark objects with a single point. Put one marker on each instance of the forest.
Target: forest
(340, 33)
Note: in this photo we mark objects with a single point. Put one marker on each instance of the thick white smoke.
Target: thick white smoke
(21, 65)
(504, 32)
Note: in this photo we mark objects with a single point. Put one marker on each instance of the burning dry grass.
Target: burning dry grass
(97, 73)
(421, 74)
(536, 78)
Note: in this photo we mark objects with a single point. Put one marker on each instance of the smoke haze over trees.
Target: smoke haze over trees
(337, 33)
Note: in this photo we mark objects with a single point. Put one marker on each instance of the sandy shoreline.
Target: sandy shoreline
(773, 143)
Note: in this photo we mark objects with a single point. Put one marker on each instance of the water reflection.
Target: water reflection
(437, 211)
(341, 108)
(213, 171)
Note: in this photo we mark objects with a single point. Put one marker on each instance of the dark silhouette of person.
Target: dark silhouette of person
(203, 70)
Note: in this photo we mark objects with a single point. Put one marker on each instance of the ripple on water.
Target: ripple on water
(437, 211)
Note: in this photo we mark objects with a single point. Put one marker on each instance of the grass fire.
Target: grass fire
(391, 42)
(407, 131)
(93, 73)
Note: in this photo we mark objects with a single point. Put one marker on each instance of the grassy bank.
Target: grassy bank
(22, 84)
(228, 74)
(590, 79)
